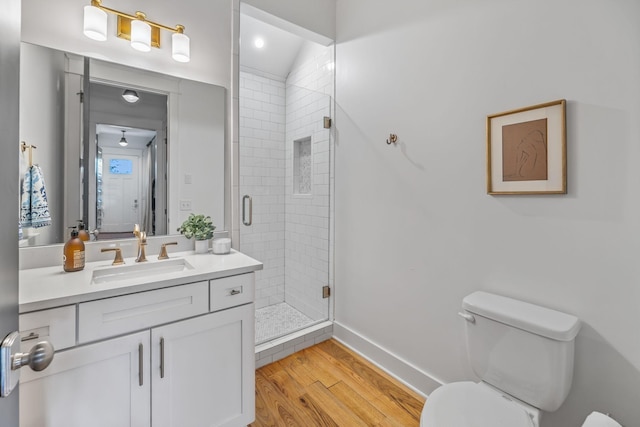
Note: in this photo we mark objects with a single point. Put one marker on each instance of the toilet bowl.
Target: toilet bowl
(522, 353)
(472, 404)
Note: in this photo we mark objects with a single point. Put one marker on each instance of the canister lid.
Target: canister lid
(523, 315)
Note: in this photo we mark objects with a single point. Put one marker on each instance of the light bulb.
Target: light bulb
(140, 35)
(95, 23)
(180, 49)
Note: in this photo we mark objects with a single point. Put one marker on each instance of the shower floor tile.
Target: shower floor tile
(277, 320)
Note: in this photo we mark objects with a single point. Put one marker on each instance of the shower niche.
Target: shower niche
(302, 165)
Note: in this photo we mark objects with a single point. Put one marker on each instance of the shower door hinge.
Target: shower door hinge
(326, 292)
(327, 122)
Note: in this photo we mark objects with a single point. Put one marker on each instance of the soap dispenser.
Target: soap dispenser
(73, 256)
(82, 233)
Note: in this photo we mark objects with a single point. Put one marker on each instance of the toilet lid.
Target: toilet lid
(467, 404)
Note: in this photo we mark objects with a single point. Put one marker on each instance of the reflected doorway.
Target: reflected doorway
(126, 176)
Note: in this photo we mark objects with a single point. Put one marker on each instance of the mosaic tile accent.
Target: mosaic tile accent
(302, 166)
(277, 320)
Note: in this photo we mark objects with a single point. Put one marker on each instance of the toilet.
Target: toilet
(523, 355)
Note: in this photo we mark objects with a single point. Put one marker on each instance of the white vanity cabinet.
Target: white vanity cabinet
(98, 385)
(202, 369)
(180, 356)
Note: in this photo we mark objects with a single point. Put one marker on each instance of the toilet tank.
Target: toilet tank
(520, 348)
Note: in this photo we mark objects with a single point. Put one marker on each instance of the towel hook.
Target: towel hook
(23, 147)
(393, 138)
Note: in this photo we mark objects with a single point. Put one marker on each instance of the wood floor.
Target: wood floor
(329, 385)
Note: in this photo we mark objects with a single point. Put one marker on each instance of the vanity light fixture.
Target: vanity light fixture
(142, 33)
(123, 141)
(130, 96)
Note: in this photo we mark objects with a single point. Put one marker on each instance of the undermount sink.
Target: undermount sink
(127, 272)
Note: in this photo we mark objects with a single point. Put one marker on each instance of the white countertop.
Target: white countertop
(48, 287)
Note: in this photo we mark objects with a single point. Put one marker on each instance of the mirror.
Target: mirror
(181, 171)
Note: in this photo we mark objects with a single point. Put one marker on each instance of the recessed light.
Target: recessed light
(258, 42)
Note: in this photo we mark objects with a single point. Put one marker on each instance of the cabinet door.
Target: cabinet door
(203, 370)
(98, 385)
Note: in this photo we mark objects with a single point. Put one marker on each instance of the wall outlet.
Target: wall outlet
(185, 205)
(188, 178)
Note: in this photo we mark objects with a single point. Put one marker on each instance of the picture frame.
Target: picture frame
(527, 150)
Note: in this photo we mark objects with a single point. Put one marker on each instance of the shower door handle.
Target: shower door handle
(244, 210)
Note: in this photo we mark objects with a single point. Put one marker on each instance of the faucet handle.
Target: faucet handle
(136, 230)
(163, 250)
(118, 259)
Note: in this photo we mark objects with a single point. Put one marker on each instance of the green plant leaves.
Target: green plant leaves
(197, 226)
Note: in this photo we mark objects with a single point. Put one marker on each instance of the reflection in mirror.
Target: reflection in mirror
(188, 119)
(129, 183)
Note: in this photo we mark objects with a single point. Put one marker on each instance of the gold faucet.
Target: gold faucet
(118, 259)
(142, 243)
(163, 250)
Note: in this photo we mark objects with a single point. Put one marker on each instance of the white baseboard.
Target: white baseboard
(407, 373)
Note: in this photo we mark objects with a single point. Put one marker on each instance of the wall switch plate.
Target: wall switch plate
(185, 205)
(188, 178)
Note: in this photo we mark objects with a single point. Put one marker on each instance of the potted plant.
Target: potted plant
(199, 227)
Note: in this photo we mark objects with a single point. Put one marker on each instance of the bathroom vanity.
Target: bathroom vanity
(162, 343)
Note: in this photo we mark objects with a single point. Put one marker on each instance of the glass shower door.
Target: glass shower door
(285, 177)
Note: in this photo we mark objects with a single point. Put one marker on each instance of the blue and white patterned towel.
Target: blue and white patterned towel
(34, 209)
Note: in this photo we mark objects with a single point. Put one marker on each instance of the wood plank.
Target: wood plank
(328, 385)
(340, 413)
(361, 407)
(389, 386)
(280, 408)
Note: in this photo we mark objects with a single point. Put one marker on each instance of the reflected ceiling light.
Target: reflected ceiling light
(142, 33)
(258, 42)
(130, 96)
(123, 141)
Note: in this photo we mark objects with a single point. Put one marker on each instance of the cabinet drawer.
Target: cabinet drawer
(231, 291)
(128, 313)
(58, 326)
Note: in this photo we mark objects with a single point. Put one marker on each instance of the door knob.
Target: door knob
(38, 358)
(11, 360)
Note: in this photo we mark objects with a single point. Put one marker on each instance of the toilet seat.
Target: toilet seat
(468, 404)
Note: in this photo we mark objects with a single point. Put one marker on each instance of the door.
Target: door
(83, 386)
(9, 143)
(203, 370)
(120, 193)
(285, 211)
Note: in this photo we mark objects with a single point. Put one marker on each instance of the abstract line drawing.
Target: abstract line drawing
(524, 151)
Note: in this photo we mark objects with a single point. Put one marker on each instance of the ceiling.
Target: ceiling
(279, 52)
(109, 136)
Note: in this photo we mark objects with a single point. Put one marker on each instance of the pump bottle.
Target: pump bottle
(73, 257)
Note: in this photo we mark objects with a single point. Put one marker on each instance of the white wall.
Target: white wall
(42, 124)
(415, 230)
(199, 153)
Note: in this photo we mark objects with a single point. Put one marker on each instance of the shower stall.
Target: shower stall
(285, 144)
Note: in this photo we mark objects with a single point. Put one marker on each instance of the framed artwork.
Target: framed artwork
(527, 150)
